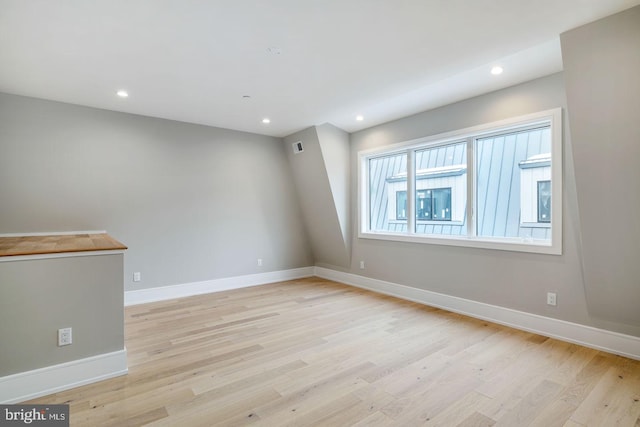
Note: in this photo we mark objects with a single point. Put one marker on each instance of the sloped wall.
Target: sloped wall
(602, 79)
(321, 176)
(334, 144)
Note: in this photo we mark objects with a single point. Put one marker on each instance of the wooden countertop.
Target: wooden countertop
(54, 244)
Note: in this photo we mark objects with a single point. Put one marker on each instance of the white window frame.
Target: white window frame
(553, 118)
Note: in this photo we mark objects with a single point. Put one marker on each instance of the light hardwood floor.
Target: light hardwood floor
(316, 353)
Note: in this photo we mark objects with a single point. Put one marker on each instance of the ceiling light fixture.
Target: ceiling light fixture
(266, 121)
(497, 70)
(359, 117)
(122, 94)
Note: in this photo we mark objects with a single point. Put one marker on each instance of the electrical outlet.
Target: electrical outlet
(361, 265)
(551, 298)
(259, 262)
(137, 276)
(65, 337)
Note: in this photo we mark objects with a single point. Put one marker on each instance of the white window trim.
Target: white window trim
(552, 247)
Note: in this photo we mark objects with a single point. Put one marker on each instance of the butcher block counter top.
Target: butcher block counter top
(57, 244)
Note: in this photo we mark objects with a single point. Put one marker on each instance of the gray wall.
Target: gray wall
(39, 297)
(191, 202)
(515, 280)
(602, 74)
(335, 148)
(314, 191)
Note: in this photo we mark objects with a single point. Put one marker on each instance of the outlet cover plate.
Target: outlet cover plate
(65, 336)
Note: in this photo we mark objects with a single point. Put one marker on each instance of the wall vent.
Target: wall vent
(297, 147)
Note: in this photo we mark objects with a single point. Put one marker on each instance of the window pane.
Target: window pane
(423, 204)
(544, 201)
(441, 205)
(508, 167)
(401, 205)
(387, 180)
(441, 190)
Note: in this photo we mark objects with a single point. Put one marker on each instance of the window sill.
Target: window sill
(536, 246)
(535, 224)
(426, 222)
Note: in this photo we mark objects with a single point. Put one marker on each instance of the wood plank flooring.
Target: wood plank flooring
(316, 353)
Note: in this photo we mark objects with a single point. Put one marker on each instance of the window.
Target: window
(386, 177)
(401, 205)
(488, 186)
(430, 205)
(544, 201)
(503, 159)
(434, 204)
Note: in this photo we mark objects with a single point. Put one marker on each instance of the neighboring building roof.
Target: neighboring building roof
(438, 172)
(537, 161)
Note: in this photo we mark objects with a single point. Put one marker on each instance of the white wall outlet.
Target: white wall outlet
(551, 298)
(137, 276)
(361, 265)
(65, 337)
(259, 262)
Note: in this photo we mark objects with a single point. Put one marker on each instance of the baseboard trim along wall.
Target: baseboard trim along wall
(600, 339)
(52, 379)
(163, 293)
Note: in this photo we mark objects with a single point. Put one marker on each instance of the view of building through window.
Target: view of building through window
(509, 194)
(507, 176)
(384, 173)
(432, 205)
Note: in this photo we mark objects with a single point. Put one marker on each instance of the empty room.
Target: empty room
(320, 213)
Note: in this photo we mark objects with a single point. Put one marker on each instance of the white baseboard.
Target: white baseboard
(162, 293)
(600, 339)
(52, 379)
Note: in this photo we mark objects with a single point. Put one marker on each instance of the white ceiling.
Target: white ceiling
(302, 62)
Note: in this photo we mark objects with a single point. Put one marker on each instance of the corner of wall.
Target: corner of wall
(321, 175)
(334, 144)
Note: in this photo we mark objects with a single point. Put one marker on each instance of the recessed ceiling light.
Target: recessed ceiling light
(122, 93)
(266, 121)
(496, 70)
(359, 117)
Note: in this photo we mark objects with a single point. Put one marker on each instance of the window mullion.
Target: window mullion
(411, 192)
(471, 188)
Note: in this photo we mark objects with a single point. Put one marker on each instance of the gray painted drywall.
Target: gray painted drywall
(514, 280)
(39, 297)
(334, 144)
(192, 203)
(602, 75)
(314, 191)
